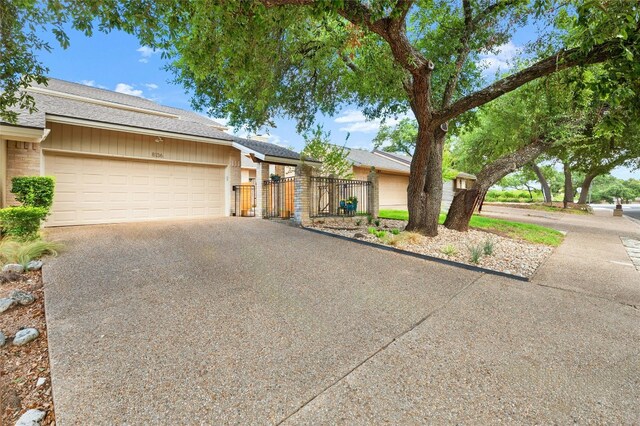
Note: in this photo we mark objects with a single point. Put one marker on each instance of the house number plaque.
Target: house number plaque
(157, 155)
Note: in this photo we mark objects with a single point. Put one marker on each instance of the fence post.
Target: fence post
(262, 174)
(373, 203)
(301, 214)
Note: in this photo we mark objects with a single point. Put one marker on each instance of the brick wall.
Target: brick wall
(23, 159)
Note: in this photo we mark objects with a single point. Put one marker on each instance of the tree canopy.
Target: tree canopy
(253, 60)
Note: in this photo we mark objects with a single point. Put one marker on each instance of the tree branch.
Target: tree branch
(463, 52)
(560, 61)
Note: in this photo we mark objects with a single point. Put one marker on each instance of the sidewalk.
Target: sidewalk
(592, 259)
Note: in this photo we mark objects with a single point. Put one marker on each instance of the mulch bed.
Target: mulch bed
(22, 366)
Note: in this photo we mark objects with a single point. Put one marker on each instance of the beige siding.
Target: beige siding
(248, 174)
(65, 137)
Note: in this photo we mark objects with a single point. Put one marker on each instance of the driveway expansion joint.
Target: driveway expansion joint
(383, 347)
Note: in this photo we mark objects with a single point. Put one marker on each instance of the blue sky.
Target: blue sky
(116, 61)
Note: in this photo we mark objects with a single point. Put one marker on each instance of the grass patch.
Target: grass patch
(524, 231)
(547, 208)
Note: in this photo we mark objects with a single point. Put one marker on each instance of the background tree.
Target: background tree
(334, 157)
(252, 60)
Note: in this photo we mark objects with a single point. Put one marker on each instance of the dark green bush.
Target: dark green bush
(34, 191)
(22, 222)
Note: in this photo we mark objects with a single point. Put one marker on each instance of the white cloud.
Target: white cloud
(356, 122)
(91, 83)
(145, 52)
(128, 89)
(499, 59)
(151, 86)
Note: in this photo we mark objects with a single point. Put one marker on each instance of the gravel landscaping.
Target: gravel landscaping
(507, 255)
(25, 383)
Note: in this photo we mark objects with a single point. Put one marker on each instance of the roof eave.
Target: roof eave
(54, 118)
(23, 133)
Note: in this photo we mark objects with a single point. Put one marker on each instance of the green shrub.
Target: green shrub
(34, 191)
(395, 231)
(22, 222)
(12, 251)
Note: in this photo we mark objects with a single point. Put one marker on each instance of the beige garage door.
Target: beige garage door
(92, 190)
(393, 191)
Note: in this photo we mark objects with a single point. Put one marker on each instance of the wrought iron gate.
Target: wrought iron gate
(278, 198)
(245, 200)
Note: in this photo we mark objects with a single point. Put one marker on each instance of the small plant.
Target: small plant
(358, 222)
(274, 177)
(369, 219)
(476, 253)
(449, 250)
(404, 238)
(22, 252)
(377, 223)
(372, 230)
(22, 222)
(488, 247)
(381, 234)
(395, 231)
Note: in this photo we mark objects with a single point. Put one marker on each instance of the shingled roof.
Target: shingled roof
(76, 101)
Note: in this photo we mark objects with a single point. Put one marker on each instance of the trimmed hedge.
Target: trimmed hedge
(22, 222)
(34, 191)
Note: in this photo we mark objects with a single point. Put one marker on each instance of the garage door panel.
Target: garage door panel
(100, 190)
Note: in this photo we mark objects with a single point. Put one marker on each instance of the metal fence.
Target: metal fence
(338, 197)
(278, 198)
(245, 200)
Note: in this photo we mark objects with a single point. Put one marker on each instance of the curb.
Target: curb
(423, 256)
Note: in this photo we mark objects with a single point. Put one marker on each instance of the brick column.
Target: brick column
(301, 215)
(262, 174)
(23, 159)
(373, 203)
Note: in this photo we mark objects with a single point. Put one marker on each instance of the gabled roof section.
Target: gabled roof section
(401, 158)
(364, 158)
(73, 103)
(116, 99)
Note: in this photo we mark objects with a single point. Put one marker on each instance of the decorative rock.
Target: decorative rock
(359, 235)
(13, 267)
(41, 381)
(6, 303)
(31, 418)
(2, 339)
(34, 265)
(9, 277)
(22, 297)
(25, 336)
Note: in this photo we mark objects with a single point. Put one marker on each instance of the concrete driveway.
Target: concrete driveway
(247, 321)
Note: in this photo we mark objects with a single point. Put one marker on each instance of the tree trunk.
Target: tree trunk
(415, 189)
(544, 185)
(584, 189)
(433, 187)
(466, 200)
(568, 185)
